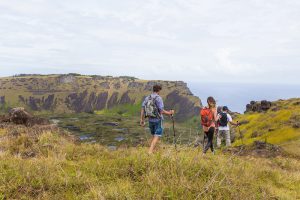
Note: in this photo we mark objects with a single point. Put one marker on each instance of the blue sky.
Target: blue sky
(253, 41)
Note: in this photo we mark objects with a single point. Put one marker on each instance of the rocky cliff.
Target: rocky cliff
(78, 93)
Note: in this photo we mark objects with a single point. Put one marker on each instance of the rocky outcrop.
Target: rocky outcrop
(101, 100)
(134, 85)
(105, 85)
(125, 99)
(185, 108)
(2, 100)
(258, 106)
(150, 85)
(37, 104)
(85, 102)
(20, 116)
(113, 100)
(66, 79)
(76, 101)
(48, 103)
(117, 85)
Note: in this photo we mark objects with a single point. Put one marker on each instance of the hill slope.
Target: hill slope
(280, 125)
(77, 93)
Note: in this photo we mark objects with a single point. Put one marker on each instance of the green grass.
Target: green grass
(276, 127)
(126, 110)
(64, 170)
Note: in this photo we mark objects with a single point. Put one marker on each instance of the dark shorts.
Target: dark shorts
(156, 128)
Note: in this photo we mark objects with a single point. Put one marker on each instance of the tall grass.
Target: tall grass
(61, 169)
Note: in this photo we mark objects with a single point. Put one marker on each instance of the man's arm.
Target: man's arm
(235, 124)
(231, 121)
(170, 112)
(160, 105)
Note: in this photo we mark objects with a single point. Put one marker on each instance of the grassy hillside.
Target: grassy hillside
(41, 163)
(279, 125)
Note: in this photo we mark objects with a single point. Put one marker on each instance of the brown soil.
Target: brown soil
(258, 149)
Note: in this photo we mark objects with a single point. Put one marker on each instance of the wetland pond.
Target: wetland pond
(116, 131)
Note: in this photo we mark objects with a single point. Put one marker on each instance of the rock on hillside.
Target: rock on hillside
(19, 116)
(258, 106)
(77, 93)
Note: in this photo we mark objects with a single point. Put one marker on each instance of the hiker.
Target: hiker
(209, 117)
(153, 109)
(224, 129)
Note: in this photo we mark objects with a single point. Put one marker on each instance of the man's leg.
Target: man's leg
(153, 144)
(228, 140)
(158, 130)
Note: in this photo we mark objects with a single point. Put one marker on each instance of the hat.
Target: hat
(225, 108)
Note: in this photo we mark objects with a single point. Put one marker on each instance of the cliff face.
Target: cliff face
(76, 93)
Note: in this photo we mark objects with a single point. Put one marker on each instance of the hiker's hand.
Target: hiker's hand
(142, 123)
(172, 112)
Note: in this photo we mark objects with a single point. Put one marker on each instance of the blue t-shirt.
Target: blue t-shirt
(159, 103)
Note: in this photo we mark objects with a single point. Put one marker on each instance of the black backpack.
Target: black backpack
(223, 121)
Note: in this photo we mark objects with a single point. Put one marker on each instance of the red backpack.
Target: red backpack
(207, 117)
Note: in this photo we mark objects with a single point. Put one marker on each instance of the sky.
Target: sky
(240, 41)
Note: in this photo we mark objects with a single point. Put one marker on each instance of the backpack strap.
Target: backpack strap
(155, 102)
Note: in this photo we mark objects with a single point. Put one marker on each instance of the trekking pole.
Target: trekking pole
(174, 139)
(240, 133)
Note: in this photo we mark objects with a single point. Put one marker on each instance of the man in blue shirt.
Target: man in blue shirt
(153, 109)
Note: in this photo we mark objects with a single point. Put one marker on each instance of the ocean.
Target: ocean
(237, 96)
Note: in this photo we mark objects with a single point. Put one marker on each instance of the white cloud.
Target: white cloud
(240, 41)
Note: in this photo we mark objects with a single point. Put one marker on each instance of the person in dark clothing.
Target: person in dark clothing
(209, 126)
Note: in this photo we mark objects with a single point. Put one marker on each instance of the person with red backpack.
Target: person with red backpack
(209, 117)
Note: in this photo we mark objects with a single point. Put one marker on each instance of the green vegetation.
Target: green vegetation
(280, 125)
(93, 128)
(71, 93)
(60, 169)
(127, 110)
(3, 108)
(46, 163)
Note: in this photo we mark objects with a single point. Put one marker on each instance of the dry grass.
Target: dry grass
(61, 169)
